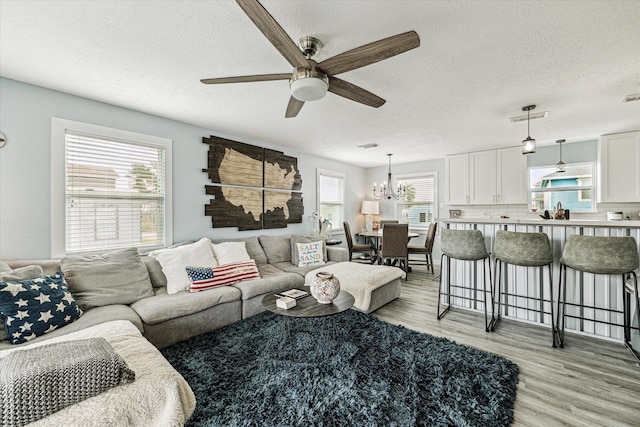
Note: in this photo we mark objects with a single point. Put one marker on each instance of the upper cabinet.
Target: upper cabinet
(486, 177)
(619, 164)
(456, 181)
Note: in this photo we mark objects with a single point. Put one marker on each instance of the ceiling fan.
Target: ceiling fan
(310, 80)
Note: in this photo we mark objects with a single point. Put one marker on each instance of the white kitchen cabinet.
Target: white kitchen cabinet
(456, 172)
(511, 176)
(482, 178)
(491, 177)
(619, 168)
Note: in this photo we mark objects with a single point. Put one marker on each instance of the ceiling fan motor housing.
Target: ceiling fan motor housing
(308, 84)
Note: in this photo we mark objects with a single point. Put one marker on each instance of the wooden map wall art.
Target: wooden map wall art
(252, 187)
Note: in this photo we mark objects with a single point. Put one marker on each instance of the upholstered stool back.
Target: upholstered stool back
(524, 250)
(463, 244)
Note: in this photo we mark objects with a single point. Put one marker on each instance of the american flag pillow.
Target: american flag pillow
(203, 278)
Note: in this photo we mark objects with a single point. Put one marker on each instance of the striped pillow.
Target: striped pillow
(203, 278)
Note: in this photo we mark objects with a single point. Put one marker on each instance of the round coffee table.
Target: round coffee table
(309, 307)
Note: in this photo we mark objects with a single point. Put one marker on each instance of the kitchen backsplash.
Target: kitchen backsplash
(629, 210)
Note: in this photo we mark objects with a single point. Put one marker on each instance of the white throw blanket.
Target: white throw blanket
(359, 279)
(158, 397)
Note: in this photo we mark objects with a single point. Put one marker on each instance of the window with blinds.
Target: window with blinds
(330, 193)
(418, 207)
(115, 191)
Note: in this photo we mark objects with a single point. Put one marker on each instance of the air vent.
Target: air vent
(365, 146)
(631, 98)
(523, 118)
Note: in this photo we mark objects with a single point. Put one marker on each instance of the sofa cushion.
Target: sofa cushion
(271, 280)
(174, 260)
(290, 268)
(33, 307)
(162, 306)
(89, 318)
(277, 248)
(157, 277)
(203, 278)
(230, 252)
(118, 277)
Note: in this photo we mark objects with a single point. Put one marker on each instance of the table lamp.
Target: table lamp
(370, 208)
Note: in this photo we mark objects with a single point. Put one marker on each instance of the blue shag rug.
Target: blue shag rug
(358, 371)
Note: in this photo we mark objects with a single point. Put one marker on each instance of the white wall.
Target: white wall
(25, 168)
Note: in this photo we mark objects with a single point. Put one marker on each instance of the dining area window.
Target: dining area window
(417, 206)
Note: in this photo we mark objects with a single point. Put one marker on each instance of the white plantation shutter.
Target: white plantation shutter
(115, 193)
(331, 197)
(418, 207)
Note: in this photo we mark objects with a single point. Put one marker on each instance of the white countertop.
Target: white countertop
(544, 222)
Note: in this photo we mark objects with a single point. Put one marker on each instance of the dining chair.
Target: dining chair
(387, 221)
(394, 245)
(427, 248)
(356, 248)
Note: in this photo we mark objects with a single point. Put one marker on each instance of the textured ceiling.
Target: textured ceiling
(478, 64)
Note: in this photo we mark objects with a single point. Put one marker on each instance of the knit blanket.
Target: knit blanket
(359, 279)
(33, 384)
(158, 396)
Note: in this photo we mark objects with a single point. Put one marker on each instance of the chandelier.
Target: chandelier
(386, 191)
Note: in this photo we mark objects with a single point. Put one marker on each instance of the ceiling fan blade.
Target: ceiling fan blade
(293, 108)
(370, 53)
(354, 93)
(274, 32)
(246, 79)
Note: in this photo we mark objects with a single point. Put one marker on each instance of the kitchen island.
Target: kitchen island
(523, 285)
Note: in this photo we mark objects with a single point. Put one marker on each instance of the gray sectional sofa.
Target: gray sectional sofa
(165, 318)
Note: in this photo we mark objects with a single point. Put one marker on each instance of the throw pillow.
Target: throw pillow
(203, 278)
(38, 381)
(230, 252)
(7, 274)
(33, 307)
(295, 239)
(118, 277)
(310, 253)
(175, 260)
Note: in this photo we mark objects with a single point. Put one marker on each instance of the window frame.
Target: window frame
(398, 203)
(343, 178)
(578, 188)
(59, 129)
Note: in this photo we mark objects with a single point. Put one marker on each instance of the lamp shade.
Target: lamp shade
(308, 89)
(370, 207)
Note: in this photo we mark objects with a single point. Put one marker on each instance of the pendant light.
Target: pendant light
(560, 166)
(528, 144)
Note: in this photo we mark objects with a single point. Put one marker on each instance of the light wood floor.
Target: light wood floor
(591, 382)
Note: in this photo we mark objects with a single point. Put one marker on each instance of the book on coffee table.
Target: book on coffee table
(294, 293)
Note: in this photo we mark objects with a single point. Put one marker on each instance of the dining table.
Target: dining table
(375, 237)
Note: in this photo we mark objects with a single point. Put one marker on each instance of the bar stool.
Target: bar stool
(465, 245)
(525, 250)
(601, 255)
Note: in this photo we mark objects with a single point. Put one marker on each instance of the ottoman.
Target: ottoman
(372, 286)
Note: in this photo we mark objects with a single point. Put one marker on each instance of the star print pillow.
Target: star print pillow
(33, 307)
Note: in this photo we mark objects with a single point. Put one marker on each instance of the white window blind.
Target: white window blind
(331, 197)
(115, 193)
(418, 206)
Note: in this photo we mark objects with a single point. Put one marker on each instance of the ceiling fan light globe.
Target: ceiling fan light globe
(308, 88)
